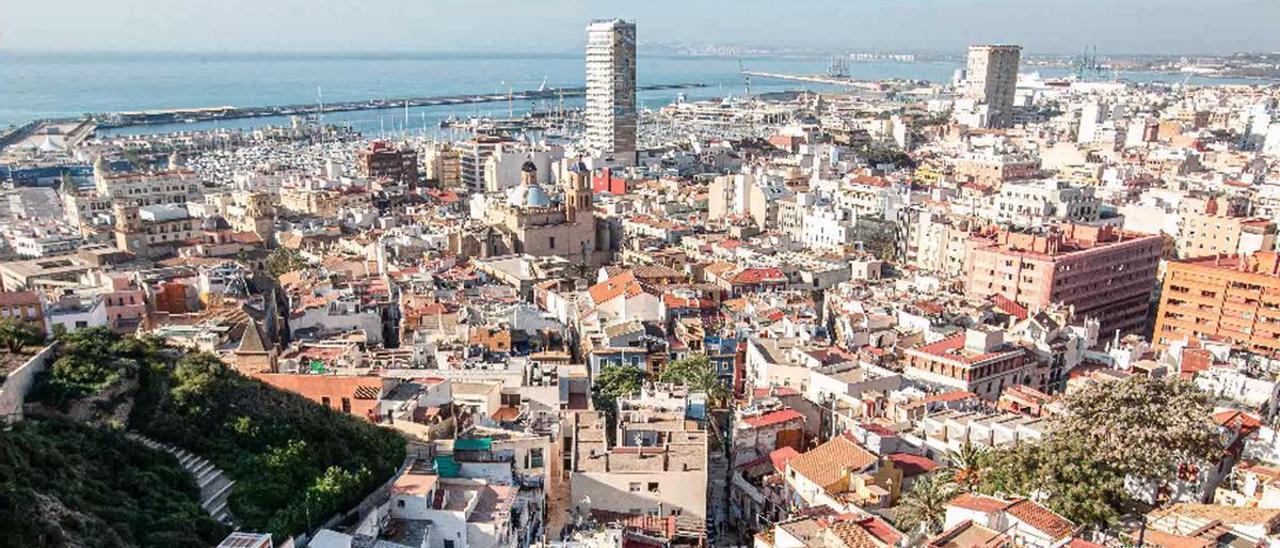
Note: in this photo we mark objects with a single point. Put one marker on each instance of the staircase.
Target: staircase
(215, 485)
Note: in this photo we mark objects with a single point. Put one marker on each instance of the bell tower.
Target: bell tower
(577, 191)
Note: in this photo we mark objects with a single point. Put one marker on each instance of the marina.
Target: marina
(189, 115)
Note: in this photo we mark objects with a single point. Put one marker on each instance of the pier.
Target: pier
(206, 114)
(825, 80)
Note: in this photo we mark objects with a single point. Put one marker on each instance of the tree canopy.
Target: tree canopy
(67, 484)
(1139, 427)
(698, 374)
(284, 260)
(1061, 473)
(1143, 426)
(16, 334)
(613, 382)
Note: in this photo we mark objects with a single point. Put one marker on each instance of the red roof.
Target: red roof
(978, 503)
(952, 348)
(913, 465)
(759, 275)
(1043, 519)
(1009, 307)
(777, 391)
(781, 456)
(772, 418)
(1195, 360)
(611, 288)
(955, 395)
(1237, 420)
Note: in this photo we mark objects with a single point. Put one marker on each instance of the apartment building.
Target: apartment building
(1234, 299)
(978, 361)
(1105, 273)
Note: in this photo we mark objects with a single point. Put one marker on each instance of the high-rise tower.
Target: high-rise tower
(992, 74)
(611, 87)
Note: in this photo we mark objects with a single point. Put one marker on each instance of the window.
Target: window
(346, 405)
(400, 503)
(552, 242)
(653, 487)
(633, 487)
(324, 400)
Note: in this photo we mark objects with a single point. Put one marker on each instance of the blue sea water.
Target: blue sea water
(37, 85)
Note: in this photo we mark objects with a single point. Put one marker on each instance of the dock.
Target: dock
(206, 114)
(813, 79)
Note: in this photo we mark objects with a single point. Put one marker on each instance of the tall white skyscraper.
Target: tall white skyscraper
(992, 74)
(611, 87)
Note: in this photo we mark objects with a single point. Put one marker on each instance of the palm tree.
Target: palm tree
(966, 464)
(699, 375)
(17, 334)
(924, 507)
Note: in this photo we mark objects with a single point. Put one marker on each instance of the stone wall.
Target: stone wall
(14, 390)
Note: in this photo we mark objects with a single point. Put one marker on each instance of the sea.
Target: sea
(40, 85)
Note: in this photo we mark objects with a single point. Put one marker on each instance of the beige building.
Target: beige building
(993, 170)
(528, 222)
(323, 202)
(1205, 234)
(658, 466)
(174, 186)
(992, 74)
(153, 230)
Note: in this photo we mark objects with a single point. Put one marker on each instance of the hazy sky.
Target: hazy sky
(553, 26)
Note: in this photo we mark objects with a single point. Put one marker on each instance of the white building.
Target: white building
(992, 80)
(611, 87)
(1046, 202)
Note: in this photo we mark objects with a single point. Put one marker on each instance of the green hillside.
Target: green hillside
(296, 463)
(66, 484)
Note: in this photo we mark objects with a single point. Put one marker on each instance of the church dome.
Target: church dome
(528, 196)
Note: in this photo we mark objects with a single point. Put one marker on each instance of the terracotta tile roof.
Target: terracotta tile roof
(952, 348)
(968, 534)
(825, 464)
(1161, 539)
(1237, 420)
(1223, 513)
(912, 465)
(1009, 307)
(759, 275)
(881, 529)
(978, 503)
(1041, 518)
(781, 457)
(758, 393)
(622, 284)
(853, 535)
(772, 418)
(955, 395)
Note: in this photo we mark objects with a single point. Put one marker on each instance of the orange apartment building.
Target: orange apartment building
(1104, 272)
(1234, 299)
(358, 395)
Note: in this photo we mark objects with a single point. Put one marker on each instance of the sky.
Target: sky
(557, 26)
